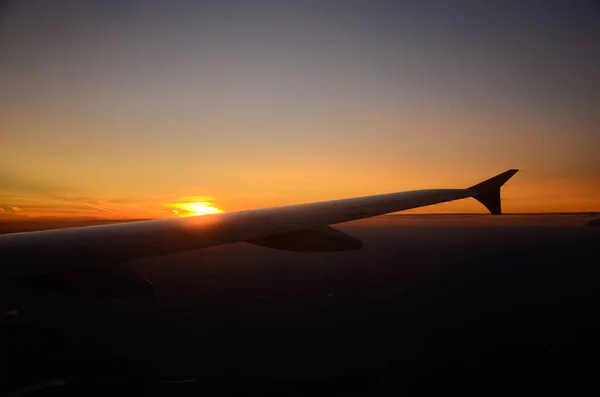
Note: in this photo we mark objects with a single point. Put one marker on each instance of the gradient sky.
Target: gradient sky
(118, 108)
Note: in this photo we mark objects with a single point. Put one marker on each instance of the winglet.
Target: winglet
(488, 191)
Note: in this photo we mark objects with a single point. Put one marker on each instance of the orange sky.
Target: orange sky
(522, 194)
(286, 105)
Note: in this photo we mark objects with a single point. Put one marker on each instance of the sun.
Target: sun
(195, 209)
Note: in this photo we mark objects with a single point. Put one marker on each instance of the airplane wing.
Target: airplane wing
(303, 227)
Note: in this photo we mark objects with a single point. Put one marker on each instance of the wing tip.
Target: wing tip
(488, 191)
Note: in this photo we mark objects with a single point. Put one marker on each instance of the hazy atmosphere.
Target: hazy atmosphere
(121, 109)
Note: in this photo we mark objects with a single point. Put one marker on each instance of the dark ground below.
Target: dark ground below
(427, 307)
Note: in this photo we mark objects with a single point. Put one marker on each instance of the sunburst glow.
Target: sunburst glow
(194, 209)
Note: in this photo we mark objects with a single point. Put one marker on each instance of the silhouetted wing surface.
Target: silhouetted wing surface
(46, 251)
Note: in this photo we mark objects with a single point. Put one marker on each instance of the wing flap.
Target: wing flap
(323, 239)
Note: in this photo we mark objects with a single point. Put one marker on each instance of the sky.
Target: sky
(123, 108)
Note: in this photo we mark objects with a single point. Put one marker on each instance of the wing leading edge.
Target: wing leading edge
(307, 224)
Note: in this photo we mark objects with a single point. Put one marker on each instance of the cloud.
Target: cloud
(195, 199)
(9, 209)
(28, 197)
(65, 206)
